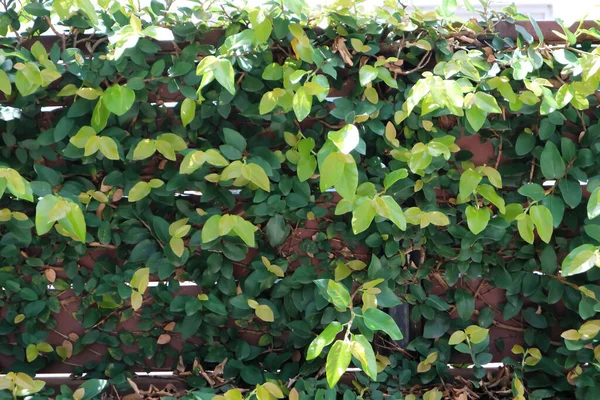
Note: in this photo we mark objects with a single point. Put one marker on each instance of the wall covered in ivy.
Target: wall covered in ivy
(244, 197)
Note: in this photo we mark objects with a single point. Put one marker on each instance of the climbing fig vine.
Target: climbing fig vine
(296, 200)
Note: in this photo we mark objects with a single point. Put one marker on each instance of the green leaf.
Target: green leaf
(177, 246)
(267, 103)
(346, 139)
(542, 219)
(367, 74)
(348, 182)
(223, 72)
(465, 303)
(551, 162)
(301, 104)
(377, 320)
(476, 118)
(338, 295)
(593, 206)
(525, 226)
(93, 387)
(108, 147)
(188, 111)
(43, 223)
(118, 99)
(486, 103)
(468, 183)
(140, 279)
(245, 230)
(76, 221)
(259, 177)
(324, 339)
(338, 360)
(396, 215)
(331, 170)
(210, 230)
(83, 136)
(525, 143)
(394, 177)
(363, 352)
(5, 85)
(144, 149)
(532, 190)
(265, 313)
(138, 191)
(99, 116)
(490, 195)
(31, 352)
(362, 215)
(235, 139)
(580, 260)
(448, 7)
(477, 218)
(28, 79)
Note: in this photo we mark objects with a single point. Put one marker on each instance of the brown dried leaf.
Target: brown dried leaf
(164, 339)
(50, 275)
(339, 46)
(170, 326)
(99, 210)
(105, 188)
(117, 195)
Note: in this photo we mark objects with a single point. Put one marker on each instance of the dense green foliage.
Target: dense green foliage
(307, 157)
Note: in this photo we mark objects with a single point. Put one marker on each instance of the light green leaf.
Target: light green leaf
(83, 136)
(259, 177)
(188, 111)
(302, 104)
(348, 181)
(593, 205)
(165, 149)
(210, 230)
(362, 215)
(367, 74)
(338, 295)
(490, 195)
(477, 219)
(525, 226)
(245, 230)
(5, 85)
(331, 170)
(99, 116)
(267, 103)
(363, 352)
(118, 99)
(338, 361)
(138, 192)
(542, 219)
(143, 150)
(177, 246)
(580, 260)
(395, 212)
(324, 339)
(486, 103)
(476, 117)
(108, 147)
(468, 183)
(223, 71)
(43, 223)
(140, 279)
(346, 139)
(394, 177)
